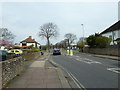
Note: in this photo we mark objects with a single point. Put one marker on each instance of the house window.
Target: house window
(23, 44)
(110, 36)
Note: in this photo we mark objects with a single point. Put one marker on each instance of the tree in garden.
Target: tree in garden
(6, 37)
(98, 41)
(102, 41)
(80, 45)
(48, 30)
(6, 43)
(6, 34)
(70, 37)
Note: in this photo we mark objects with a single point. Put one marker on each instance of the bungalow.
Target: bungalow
(112, 32)
(28, 42)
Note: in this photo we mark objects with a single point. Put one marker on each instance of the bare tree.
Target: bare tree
(6, 34)
(6, 37)
(48, 31)
(70, 37)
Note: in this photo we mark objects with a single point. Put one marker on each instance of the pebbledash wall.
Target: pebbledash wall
(12, 67)
(112, 50)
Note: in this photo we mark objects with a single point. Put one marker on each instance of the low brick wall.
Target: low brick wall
(114, 51)
(11, 68)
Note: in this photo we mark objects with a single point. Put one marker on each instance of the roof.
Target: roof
(118, 39)
(29, 40)
(114, 27)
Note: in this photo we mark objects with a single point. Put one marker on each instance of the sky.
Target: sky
(25, 18)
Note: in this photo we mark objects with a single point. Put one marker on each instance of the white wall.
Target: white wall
(20, 44)
(110, 34)
(29, 44)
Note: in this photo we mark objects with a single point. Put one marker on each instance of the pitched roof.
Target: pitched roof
(114, 27)
(29, 40)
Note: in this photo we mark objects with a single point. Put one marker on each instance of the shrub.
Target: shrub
(102, 41)
(80, 45)
(98, 41)
(31, 50)
(44, 47)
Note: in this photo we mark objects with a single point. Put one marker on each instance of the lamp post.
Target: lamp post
(83, 31)
(83, 34)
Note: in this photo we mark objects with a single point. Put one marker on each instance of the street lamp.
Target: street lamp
(83, 34)
(83, 31)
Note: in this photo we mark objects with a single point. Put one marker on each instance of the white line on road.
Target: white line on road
(86, 60)
(116, 70)
(79, 85)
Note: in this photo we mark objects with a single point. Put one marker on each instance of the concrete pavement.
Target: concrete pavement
(38, 76)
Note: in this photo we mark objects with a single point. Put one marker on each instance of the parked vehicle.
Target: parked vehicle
(3, 54)
(56, 52)
(15, 51)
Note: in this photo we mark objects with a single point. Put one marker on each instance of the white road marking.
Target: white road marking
(79, 85)
(116, 70)
(85, 60)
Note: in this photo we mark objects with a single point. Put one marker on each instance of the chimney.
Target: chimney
(30, 37)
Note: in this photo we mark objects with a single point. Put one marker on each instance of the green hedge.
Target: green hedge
(31, 50)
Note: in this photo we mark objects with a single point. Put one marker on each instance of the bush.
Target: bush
(98, 41)
(44, 47)
(31, 50)
(102, 41)
(17, 47)
(81, 45)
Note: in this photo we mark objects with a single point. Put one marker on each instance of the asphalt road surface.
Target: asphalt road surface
(90, 71)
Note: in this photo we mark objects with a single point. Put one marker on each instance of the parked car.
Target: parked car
(15, 51)
(3, 54)
(56, 52)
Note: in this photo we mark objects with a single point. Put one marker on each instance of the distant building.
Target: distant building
(112, 32)
(28, 42)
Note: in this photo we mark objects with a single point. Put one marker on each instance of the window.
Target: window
(23, 44)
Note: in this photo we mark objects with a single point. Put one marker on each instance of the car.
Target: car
(15, 51)
(56, 52)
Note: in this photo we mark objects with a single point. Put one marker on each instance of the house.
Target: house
(28, 42)
(112, 32)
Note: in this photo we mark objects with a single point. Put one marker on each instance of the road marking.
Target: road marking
(116, 70)
(79, 85)
(86, 60)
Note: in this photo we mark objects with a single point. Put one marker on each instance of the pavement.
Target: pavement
(39, 76)
(103, 56)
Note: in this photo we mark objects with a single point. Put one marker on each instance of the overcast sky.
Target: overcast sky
(25, 18)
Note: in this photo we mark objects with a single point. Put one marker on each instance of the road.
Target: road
(90, 71)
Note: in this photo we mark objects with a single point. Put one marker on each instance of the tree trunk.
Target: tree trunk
(48, 46)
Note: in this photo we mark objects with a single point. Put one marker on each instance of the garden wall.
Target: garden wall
(112, 50)
(11, 68)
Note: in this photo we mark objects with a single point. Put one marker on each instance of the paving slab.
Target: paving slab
(37, 76)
